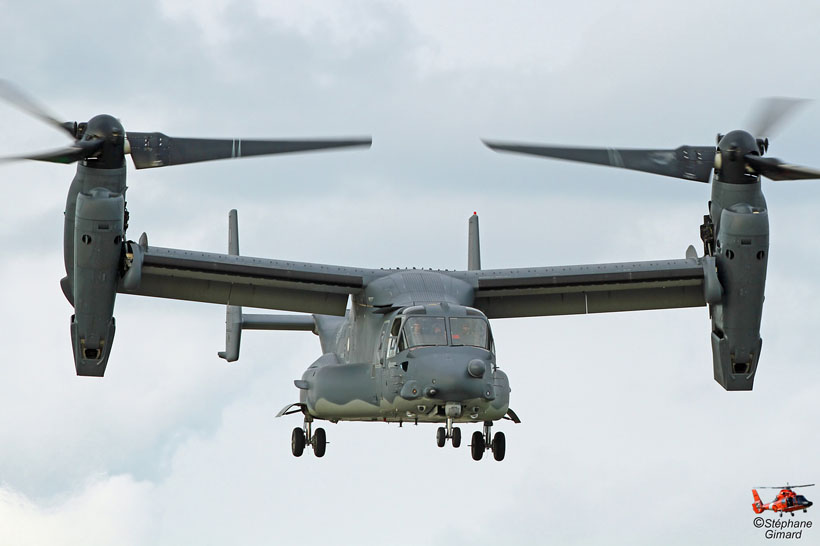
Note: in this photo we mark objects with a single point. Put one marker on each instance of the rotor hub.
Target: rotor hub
(731, 166)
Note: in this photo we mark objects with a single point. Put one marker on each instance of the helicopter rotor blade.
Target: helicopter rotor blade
(686, 162)
(158, 150)
(787, 486)
(772, 112)
(16, 97)
(773, 168)
(82, 149)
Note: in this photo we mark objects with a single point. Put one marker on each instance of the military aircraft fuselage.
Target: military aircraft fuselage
(424, 357)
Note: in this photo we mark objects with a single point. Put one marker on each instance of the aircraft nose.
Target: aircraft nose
(448, 373)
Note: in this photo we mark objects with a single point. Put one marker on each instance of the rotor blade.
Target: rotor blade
(687, 162)
(787, 486)
(159, 150)
(771, 112)
(775, 169)
(15, 96)
(82, 149)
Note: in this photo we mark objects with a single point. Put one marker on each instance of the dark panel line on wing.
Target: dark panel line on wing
(591, 279)
(261, 272)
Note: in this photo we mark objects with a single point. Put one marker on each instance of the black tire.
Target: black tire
(477, 445)
(297, 442)
(499, 446)
(319, 442)
(441, 437)
(456, 439)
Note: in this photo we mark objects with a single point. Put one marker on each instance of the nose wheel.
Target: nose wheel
(484, 440)
(448, 433)
(302, 437)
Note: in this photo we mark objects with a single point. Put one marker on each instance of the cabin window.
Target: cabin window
(469, 331)
(424, 331)
(393, 338)
(394, 330)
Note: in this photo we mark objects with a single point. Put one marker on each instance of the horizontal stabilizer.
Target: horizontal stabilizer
(236, 321)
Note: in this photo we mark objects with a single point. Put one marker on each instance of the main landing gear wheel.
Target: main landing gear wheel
(477, 446)
(484, 440)
(499, 446)
(319, 442)
(297, 442)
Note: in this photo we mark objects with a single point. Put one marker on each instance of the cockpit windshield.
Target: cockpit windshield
(425, 331)
(469, 331)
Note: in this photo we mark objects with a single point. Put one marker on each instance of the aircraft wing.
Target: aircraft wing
(240, 280)
(599, 288)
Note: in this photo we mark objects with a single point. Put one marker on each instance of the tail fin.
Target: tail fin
(758, 505)
(473, 245)
(233, 315)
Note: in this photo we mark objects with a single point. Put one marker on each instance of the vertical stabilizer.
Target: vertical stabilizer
(233, 315)
(758, 505)
(473, 245)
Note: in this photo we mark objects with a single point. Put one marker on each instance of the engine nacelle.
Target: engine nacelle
(98, 247)
(741, 258)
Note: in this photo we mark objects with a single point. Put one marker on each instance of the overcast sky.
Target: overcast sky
(625, 439)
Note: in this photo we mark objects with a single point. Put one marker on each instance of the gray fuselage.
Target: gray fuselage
(426, 358)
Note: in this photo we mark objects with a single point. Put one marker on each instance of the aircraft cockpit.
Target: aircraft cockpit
(436, 325)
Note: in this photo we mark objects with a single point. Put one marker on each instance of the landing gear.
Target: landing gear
(297, 442)
(448, 433)
(319, 442)
(477, 446)
(301, 437)
(483, 441)
(499, 446)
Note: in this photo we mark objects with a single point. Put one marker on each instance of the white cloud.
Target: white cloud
(108, 510)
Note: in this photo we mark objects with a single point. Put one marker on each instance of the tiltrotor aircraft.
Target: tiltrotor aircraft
(413, 345)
